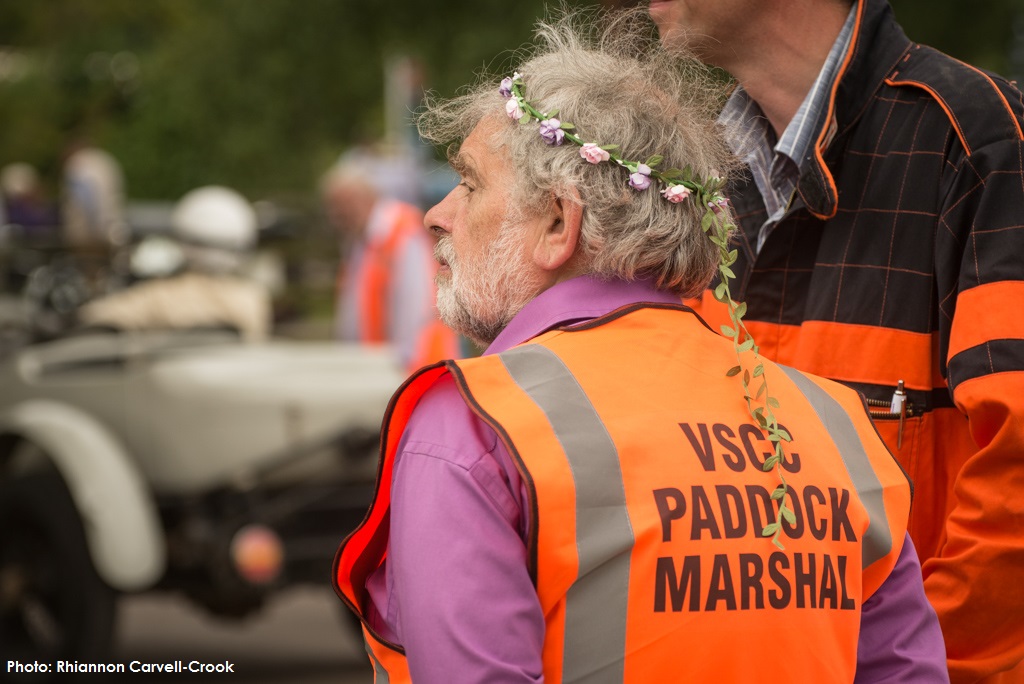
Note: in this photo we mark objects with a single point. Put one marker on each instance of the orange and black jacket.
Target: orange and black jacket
(901, 258)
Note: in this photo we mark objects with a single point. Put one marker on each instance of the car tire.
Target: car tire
(53, 605)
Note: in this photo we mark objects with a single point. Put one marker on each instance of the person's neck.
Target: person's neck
(780, 70)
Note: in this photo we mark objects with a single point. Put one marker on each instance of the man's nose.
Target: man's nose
(438, 216)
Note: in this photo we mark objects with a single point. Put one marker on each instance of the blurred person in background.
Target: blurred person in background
(92, 201)
(385, 292)
(23, 201)
(542, 514)
(882, 245)
(198, 286)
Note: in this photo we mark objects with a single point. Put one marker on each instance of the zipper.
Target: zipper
(897, 408)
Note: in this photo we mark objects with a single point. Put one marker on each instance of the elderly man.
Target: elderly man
(595, 498)
(882, 245)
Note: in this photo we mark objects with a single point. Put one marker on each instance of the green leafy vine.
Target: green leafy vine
(761, 404)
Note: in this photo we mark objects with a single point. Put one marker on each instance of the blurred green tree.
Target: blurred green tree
(263, 95)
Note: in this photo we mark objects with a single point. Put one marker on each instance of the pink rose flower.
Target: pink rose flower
(513, 110)
(718, 205)
(594, 154)
(676, 193)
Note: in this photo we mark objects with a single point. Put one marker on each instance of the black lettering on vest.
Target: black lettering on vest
(828, 590)
(734, 513)
(796, 530)
(846, 603)
(751, 570)
(735, 461)
(701, 447)
(804, 579)
(762, 508)
(666, 579)
(671, 506)
(817, 525)
(840, 500)
(721, 587)
(779, 599)
(790, 461)
(703, 517)
(746, 432)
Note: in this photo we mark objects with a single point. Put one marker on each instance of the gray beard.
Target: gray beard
(478, 299)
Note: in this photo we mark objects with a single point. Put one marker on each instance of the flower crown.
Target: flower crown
(679, 184)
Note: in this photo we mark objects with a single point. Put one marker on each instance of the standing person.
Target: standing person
(882, 224)
(385, 289)
(587, 500)
(92, 201)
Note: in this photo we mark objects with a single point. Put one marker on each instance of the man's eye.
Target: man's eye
(466, 185)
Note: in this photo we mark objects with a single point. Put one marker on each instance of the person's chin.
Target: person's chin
(661, 11)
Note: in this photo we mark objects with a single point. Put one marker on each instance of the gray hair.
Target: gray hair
(615, 82)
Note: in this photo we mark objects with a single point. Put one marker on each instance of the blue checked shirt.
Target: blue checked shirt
(776, 168)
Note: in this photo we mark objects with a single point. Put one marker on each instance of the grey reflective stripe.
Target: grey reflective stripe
(595, 612)
(877, 541)
(380, 675)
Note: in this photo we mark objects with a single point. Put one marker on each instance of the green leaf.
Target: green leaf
(778, 543)
(779, 492)
(654, 160)
(761, 389)
(705, 221)
(758, 370)
(735, 370)
(567, 126)
(769, 530)
(720, 291)
(728, 331)
(773, 402)
(741, 310)
(785, 435)
(726, 271)
(746, 378)
(745, 346)
(609, 147)
(552, 114)
(788, 514)
(673, 174)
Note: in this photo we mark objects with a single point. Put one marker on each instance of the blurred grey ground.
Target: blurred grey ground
(299, 639)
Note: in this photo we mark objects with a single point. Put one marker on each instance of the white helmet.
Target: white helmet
(215, 216)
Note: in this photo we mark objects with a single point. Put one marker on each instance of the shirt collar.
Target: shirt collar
(747, 127)
(574, 301)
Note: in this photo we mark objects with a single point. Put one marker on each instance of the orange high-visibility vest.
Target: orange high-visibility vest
(436, 341)
(648, 500)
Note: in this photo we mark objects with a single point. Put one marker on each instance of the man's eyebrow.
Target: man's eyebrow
(463, 166)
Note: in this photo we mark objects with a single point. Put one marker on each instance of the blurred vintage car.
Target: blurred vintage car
(181, 461)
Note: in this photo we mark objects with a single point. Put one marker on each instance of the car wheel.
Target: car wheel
(53, 605)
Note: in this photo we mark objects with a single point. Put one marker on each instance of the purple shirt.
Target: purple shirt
(455, 590)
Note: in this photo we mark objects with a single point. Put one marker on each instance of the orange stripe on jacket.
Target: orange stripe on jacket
(981, 315)
(845, 352)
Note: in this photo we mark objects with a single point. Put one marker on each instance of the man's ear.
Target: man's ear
(560, 234)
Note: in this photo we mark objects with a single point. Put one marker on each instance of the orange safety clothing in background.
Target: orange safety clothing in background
(648, 498)
(373, 288)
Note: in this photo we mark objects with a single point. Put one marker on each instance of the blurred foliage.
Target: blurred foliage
(263, 94)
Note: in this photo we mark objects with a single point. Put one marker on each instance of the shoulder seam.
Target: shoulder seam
(946, 86)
